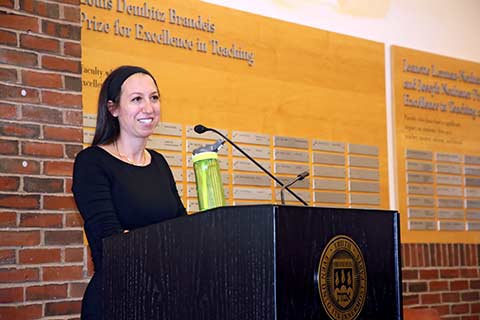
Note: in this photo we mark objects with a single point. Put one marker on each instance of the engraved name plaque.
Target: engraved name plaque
(328, 146)
(289, 142)
(169, 129)
(251, 138)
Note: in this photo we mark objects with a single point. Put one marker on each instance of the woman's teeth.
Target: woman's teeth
(145, 120)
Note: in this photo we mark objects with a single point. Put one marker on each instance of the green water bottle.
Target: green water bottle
(207, 176)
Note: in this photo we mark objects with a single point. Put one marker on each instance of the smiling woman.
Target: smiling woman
(118, 184)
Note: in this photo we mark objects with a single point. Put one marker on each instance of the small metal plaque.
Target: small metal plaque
(419, 166)
(421, 213)
(251, 138)
(222, 162)
(451, 226)
(420, 202)
(290, 155)
(449, 191)
(363, 186)
(417, 154)
(450, 214)
(251, 179)
(370, 199)
(421, 225)
(192, 205)
(419, 178)
(193, 144)
(88, 136)
(357, 161)
(473, 171)
(473, 226)
(247, 165)
(419, 189)
(169, 129)
(253, 151)
(177, 174)
(330, 197)
(363, 149)
(446, 168)
(472, 192)
(328, 146)
(473, 204)
(365, 174)
(252, 193)
(329, 184)
(472, 182)
(322, 171)
(472, 160)
(290, 142)
(89, 120)
(180, 189)
(328, 158)
(305, 183)
(209, 135)
(290, 168)
(448, 157)
(453, 180)
(449, 203)
(471, 214)
(305, 195)
(173, 159)
(170, 144)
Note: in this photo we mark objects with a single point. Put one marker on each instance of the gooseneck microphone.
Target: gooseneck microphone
(202, 129)
(299, 177)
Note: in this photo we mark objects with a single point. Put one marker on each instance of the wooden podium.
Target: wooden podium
(257, 262)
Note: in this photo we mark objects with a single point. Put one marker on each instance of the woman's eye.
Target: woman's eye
(155, 98)
(137, 99)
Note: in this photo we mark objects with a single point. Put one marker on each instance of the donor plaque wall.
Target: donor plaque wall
(437, 112)
(296, 98)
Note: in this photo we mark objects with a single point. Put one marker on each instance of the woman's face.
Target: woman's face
(138, 110)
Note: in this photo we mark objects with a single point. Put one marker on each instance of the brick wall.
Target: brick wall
(442, 276)
(43, 269)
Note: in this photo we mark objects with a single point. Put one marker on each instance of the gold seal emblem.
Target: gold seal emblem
(342, 279)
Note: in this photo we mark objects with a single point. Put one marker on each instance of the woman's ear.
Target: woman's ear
(112, 108)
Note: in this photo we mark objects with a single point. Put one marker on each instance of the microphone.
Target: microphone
(202, 129)
(299, 177)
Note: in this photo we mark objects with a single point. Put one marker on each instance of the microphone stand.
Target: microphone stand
(299, 177)
(255, 162)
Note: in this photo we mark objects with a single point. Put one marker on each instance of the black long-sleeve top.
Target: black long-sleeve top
(113, 195)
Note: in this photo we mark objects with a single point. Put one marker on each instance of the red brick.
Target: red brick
(73, 83)
(475, 307)
(60, 64)
(8, 219)
(39, 43)
(417, 286)
(405, 255)
(15, 275)
(70, 237)
(411, 299)
(77, 289)
(62, 308)
(18, 22)
(433, 255)
(7, 3)
(42, 185)
(11, 295)
(19, 202)
(71, 13)
(63, 134)
(58, 168)
(469, 273)
(460, 308)
(6, 74)
(62, 273)
(68, 185)
(445, 255)
(7, 257)
(73, 220)
(40, 8)
(471, 296)
(42, 114)
(17, 166)
(409, 274)
(72, 49)
(9, 184)
(39, 256)
(19, 238)
(42, 79)
(24, 312)
(15, 129)
(428, 274)
(18, 58)
(46, 292)
(74, 254)
(42, 149)
(458, 285)
(62, 99)
(59, 203)
(73, 117)
(430, 298)
(475, 284)
(449, 273)
(8, 111)
(14, 93)
(450, 297)
(61, 30)
(41, 220)
(438, 285)
(72, 150)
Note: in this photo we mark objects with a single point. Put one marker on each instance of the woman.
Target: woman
(118, 184)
